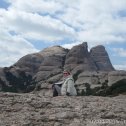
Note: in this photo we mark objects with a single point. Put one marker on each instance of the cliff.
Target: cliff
(45, 68)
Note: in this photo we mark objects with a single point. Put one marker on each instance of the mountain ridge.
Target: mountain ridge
(46, 67)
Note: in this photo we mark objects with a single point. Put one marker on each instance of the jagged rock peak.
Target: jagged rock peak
(98, 48)
(78, 59)
(85, 45)
(101, 58)
(54, 50)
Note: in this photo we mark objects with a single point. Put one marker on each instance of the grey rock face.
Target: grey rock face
(52, 65)
(33, 68)
(94, 79)
(78, 59)
(102, 83)
(18, 77)
(55, 50)
(36, 110)
(115, 76)
(101, 58)
(47, 66)
(29, 63)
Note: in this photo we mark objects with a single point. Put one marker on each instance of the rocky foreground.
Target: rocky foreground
(33, 109)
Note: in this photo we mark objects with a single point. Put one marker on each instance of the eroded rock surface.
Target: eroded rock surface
(37, 110)
(45, 67)
(115, 76)
(101, 58)
(78, 59)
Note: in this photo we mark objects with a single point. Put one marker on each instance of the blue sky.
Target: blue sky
(28, 26)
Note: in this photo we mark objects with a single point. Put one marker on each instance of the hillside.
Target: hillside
(40, 70)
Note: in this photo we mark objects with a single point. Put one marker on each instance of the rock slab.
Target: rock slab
(36, 110)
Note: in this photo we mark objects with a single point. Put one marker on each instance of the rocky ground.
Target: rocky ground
(33, 109)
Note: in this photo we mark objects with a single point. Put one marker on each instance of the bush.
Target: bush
(75, 76)
(117, 88)
(22, 83)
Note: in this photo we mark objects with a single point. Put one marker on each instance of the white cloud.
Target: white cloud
(34, 6)
(120, 51)
(70, 45)
(22, 18)
(94, 21)
(12, 48)
(35, 26)
(120, 67)
(98, 22)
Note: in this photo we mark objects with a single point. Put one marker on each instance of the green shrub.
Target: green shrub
(117, 88)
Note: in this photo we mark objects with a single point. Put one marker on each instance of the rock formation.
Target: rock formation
(39, 70)
(114, 76)
(79, 59)
(35, 73)
(52, 64)
(101, 58)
